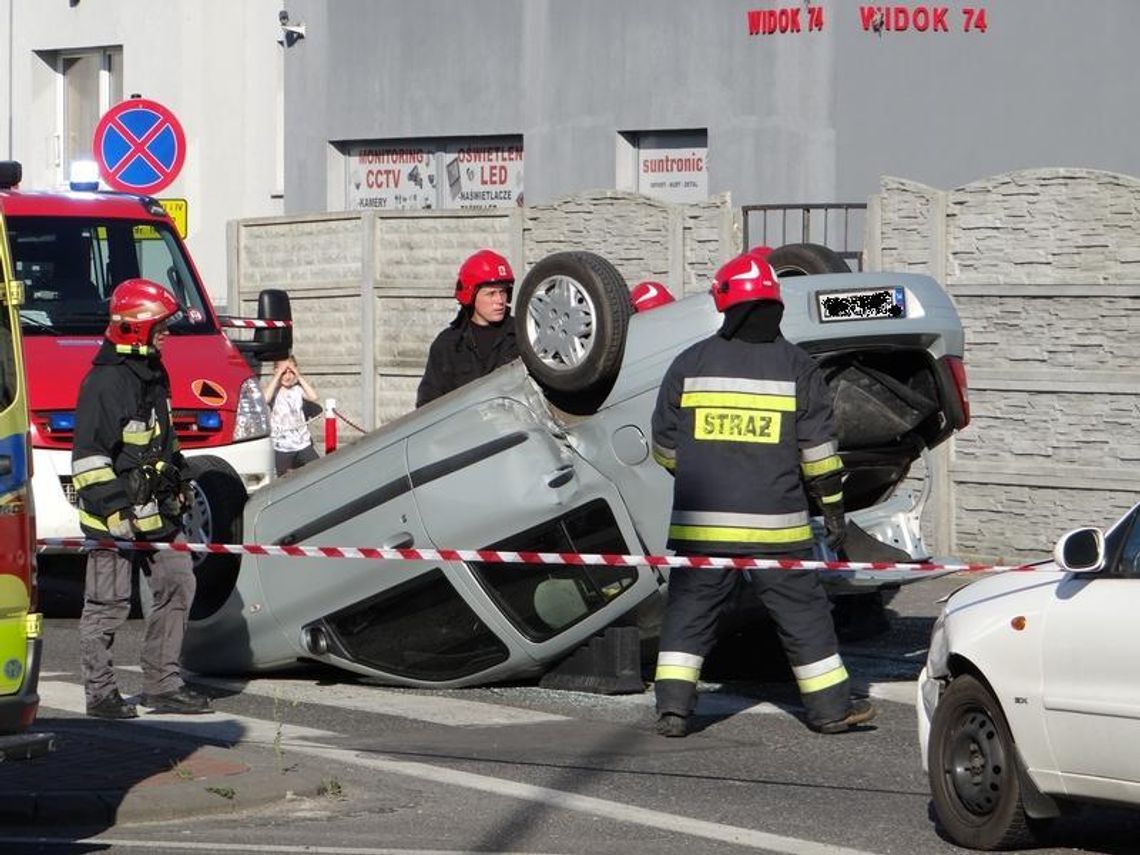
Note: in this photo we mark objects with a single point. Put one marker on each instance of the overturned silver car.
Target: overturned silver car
(551, 453)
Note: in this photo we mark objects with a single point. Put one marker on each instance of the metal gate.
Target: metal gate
(836, 225)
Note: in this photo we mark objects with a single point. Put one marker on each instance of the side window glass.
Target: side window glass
(542, 600)
(420, 629)
(1128, 562)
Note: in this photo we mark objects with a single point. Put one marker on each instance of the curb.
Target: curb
(143, 779)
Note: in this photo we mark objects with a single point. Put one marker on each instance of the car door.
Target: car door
(1091, 679)
(499, 475)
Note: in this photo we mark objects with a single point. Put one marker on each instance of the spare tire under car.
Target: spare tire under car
(806, 259)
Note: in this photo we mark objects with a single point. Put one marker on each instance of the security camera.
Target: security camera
(283, 17)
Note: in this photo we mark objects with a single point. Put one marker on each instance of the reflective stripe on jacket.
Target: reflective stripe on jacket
(744, 426)
(122, 423)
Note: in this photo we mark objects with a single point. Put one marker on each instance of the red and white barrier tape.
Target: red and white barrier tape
(252, 323)
(492, 556)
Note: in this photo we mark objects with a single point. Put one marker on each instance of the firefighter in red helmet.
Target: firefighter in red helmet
(482, 335)
(649, 295)
(744, 423)
(128, 474)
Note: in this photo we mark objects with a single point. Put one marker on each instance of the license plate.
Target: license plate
(862, 305)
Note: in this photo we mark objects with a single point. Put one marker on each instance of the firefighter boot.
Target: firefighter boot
(672, 725)
(861, 711)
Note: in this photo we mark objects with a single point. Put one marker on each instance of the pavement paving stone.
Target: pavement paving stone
(107, 773)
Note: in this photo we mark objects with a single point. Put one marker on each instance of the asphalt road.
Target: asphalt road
(518, 768)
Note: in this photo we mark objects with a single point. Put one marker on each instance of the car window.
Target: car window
(420, 629)
(542, 600)
(1124, 543)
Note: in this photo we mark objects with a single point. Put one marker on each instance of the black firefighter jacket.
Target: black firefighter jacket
(455, 360)
(744, 426)
(125, 454)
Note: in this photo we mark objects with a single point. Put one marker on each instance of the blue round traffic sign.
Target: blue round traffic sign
(139, 146)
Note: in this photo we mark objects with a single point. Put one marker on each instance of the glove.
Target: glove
(836, 525)
(119, 526)
(140, 484)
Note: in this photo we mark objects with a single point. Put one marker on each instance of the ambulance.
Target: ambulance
(70, 249)
(20, 624)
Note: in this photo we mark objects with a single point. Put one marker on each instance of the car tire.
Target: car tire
(571, 316)
(215, 516)
(975, 771)
(806, 259)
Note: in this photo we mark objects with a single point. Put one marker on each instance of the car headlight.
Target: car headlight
(938, 656)
(252, 412)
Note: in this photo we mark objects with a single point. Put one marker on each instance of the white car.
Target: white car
(1030, 697)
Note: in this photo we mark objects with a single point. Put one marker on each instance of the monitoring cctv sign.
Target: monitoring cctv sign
(139, 146)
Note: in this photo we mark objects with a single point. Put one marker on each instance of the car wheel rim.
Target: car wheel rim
(560, 323)
(976, 763)
(197, 522)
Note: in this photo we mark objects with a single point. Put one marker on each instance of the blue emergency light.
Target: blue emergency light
(209, 420)
(58, 422)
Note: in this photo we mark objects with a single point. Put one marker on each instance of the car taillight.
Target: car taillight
(958, 372)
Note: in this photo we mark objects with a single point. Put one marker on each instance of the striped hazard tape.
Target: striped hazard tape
(493, 556)
(252, 323)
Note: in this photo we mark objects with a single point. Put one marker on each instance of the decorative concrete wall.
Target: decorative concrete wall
(1044, 267)
(388, 278)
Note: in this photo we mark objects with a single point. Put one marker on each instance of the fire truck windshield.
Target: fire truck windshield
(71, 265)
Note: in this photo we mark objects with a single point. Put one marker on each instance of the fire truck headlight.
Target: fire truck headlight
(252, 412)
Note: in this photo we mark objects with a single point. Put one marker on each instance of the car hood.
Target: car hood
(1006, 589)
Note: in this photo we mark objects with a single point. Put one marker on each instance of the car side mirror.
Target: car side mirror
(269, 345)
(1080, 551)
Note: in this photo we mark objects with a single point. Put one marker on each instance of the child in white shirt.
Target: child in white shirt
(287, 391)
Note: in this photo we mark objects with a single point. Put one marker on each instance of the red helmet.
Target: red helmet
(137, 306)
(649, 295)
(483, 268)
(746, 278)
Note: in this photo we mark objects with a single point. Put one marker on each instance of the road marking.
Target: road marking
(437, 709)
(189, 846)
(69, 696)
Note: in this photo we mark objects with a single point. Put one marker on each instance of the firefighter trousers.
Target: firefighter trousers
(799, 607)
(107, 604)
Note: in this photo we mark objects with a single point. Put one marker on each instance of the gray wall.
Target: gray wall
(806, 117)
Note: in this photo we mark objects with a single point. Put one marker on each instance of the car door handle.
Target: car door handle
(560, 476)
(5, 464)
(399, 540)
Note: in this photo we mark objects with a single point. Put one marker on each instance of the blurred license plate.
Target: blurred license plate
(862, 305)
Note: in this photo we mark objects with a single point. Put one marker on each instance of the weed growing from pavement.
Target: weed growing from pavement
(180, 770)
(331, 788)
(278, 739)
(228, 793)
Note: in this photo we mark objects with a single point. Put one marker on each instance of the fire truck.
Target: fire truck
(70, 249)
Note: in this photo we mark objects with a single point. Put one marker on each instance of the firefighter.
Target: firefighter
(128, 473)
(744, 423)
(649, 295)
(482, 336)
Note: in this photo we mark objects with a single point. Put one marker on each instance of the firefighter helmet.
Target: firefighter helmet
(649, 295)
(483, 268)
(137, 307)
(745, 278)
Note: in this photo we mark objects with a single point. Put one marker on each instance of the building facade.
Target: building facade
(216, 65)
(775, 102)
